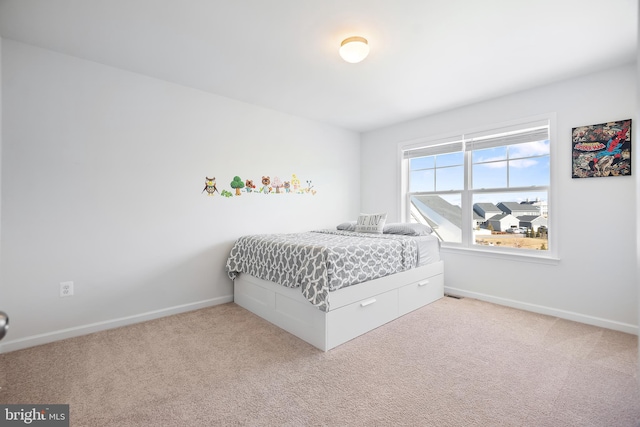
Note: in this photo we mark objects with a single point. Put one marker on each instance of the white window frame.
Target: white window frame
(549, 256)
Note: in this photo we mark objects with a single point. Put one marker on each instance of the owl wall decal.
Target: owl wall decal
(210, 186)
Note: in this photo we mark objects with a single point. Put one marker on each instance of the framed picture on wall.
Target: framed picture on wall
(601, 150)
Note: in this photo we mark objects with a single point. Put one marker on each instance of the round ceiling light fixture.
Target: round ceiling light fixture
(354, 49)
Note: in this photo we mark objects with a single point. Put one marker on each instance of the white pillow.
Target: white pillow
(371, 223)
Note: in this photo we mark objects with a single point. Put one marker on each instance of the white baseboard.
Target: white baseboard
(76, 331)
(562, 314)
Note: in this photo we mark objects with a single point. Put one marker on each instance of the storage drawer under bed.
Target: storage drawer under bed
(345, 323)
(362, 316)
(418, 294)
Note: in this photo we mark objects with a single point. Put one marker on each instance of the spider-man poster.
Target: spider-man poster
(602, 150)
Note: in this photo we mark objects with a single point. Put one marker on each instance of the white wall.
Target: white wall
(595, 219)
(102, 173)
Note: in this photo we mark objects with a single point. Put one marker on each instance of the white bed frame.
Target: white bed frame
(354, 311)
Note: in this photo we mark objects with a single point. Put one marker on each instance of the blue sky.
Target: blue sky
(519, 165)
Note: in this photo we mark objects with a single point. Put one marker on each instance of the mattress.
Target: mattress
(428, 249)
(324, 261)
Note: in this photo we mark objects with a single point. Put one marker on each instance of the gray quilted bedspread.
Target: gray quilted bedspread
(321, 261)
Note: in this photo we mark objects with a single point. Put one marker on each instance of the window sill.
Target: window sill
(529, 257)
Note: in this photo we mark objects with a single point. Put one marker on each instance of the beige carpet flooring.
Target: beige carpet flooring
(452, 363)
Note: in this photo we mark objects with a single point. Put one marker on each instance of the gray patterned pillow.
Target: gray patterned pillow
(407, 229)
(371, 223)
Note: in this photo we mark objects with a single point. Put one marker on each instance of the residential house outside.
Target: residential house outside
(533, 222)
(503, 222)
(486, 210)
(519, 209)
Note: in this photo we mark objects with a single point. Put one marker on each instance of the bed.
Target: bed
(330, 286)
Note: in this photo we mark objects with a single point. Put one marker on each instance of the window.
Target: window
(487, 190)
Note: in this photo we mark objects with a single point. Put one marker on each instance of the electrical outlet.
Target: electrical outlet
(66, 289)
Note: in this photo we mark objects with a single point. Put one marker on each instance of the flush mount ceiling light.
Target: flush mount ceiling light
(354, 49)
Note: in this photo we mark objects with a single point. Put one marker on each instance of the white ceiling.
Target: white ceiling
(426, 55)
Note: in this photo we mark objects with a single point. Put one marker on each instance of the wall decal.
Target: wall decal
(602, 150)
(270, 186)
(295, 182)
(210, 186)
(265, 185)
(277, 184)
(249, 186)
(237, 184)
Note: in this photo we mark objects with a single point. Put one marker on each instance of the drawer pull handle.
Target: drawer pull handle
(424, 283)
(368, 302)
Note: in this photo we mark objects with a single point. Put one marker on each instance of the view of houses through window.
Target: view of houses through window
(484, 190)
